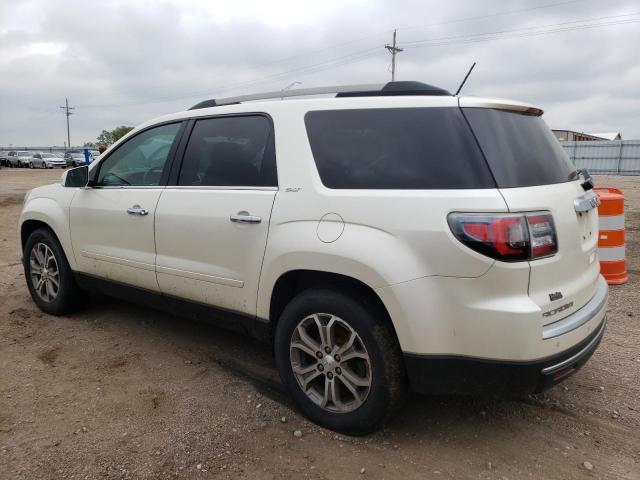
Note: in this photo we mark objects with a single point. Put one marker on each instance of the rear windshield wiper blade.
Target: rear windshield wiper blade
(588, 181)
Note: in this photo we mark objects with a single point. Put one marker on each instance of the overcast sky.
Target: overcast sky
(124, 62)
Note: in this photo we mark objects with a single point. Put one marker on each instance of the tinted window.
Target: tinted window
(520, 149)
(230, 151)
(408, 148)
(140, 160)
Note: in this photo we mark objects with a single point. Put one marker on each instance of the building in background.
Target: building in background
(609, 135)
(571, 136)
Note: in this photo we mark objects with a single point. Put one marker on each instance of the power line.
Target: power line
(490, 15)
(305, 70)
(67, 113)
(519, 31)
(429, 25)
(294, 57)
(363, 54)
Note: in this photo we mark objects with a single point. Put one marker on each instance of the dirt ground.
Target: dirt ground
(120, 391)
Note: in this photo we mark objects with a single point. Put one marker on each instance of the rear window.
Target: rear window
(396, 148)
(520, 149)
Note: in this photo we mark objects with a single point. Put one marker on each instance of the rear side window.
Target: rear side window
(230, 151)
(396, 148)
(520, 149)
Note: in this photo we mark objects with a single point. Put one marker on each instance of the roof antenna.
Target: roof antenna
(465, 79)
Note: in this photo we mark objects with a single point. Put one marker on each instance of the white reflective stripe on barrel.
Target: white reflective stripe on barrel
(611, 223)
(611, 254)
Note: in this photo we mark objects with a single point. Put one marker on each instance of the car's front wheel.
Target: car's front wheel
(49, 277)
(340, 361)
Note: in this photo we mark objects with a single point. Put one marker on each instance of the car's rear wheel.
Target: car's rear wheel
(340, 361)
(49, 277)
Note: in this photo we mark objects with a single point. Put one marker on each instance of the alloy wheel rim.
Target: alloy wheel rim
(330, 363)
(44, 272)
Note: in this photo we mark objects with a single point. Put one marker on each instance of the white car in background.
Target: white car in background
(23, 158)
(390, 237)
(47, 160)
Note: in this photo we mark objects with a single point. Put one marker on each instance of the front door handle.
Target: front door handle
(137, 210)
(244, 217)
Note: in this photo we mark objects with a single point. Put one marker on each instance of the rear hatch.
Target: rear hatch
(534, 174)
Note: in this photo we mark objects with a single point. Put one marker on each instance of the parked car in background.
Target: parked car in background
(47, 160)
(74, 158)
(24, 158)
(12, 159)
(4, 159)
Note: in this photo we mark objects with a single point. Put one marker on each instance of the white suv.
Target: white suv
(383, 238)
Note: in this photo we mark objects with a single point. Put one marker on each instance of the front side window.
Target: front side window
(230, 151)
(139, 161)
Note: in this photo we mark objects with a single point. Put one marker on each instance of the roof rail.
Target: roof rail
(369, 90)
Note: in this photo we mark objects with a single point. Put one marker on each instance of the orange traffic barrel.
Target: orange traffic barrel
(613, 263)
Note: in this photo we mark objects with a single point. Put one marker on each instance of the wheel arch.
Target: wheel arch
(292, 282)
(46, 213)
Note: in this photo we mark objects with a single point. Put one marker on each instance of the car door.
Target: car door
(212, 222)
(111, 221)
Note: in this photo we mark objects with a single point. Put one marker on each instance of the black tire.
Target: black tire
(388, 385)
(69, 297)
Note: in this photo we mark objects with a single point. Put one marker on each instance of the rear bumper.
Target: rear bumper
(461, 375)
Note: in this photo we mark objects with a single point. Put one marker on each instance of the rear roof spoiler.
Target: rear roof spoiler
(500, 104)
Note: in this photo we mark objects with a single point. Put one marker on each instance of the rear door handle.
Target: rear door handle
(244, 217)
(137, 210)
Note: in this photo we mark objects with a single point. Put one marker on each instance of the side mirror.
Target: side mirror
(76, 177)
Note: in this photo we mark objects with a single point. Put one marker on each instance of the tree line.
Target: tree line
(107, 137)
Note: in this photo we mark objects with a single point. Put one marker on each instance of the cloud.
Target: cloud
(123, 62)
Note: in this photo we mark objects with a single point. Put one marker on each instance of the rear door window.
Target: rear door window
(520, 149)
(396, 148)
(230, 151)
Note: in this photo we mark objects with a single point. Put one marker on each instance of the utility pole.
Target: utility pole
(66, 109)
(393, 49)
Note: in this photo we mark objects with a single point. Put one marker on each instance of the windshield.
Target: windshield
(521, 149)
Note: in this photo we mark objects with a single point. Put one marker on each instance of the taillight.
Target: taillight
(506, 236)
(543, 235)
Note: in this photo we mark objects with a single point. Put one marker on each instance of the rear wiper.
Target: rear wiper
(588, 181)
